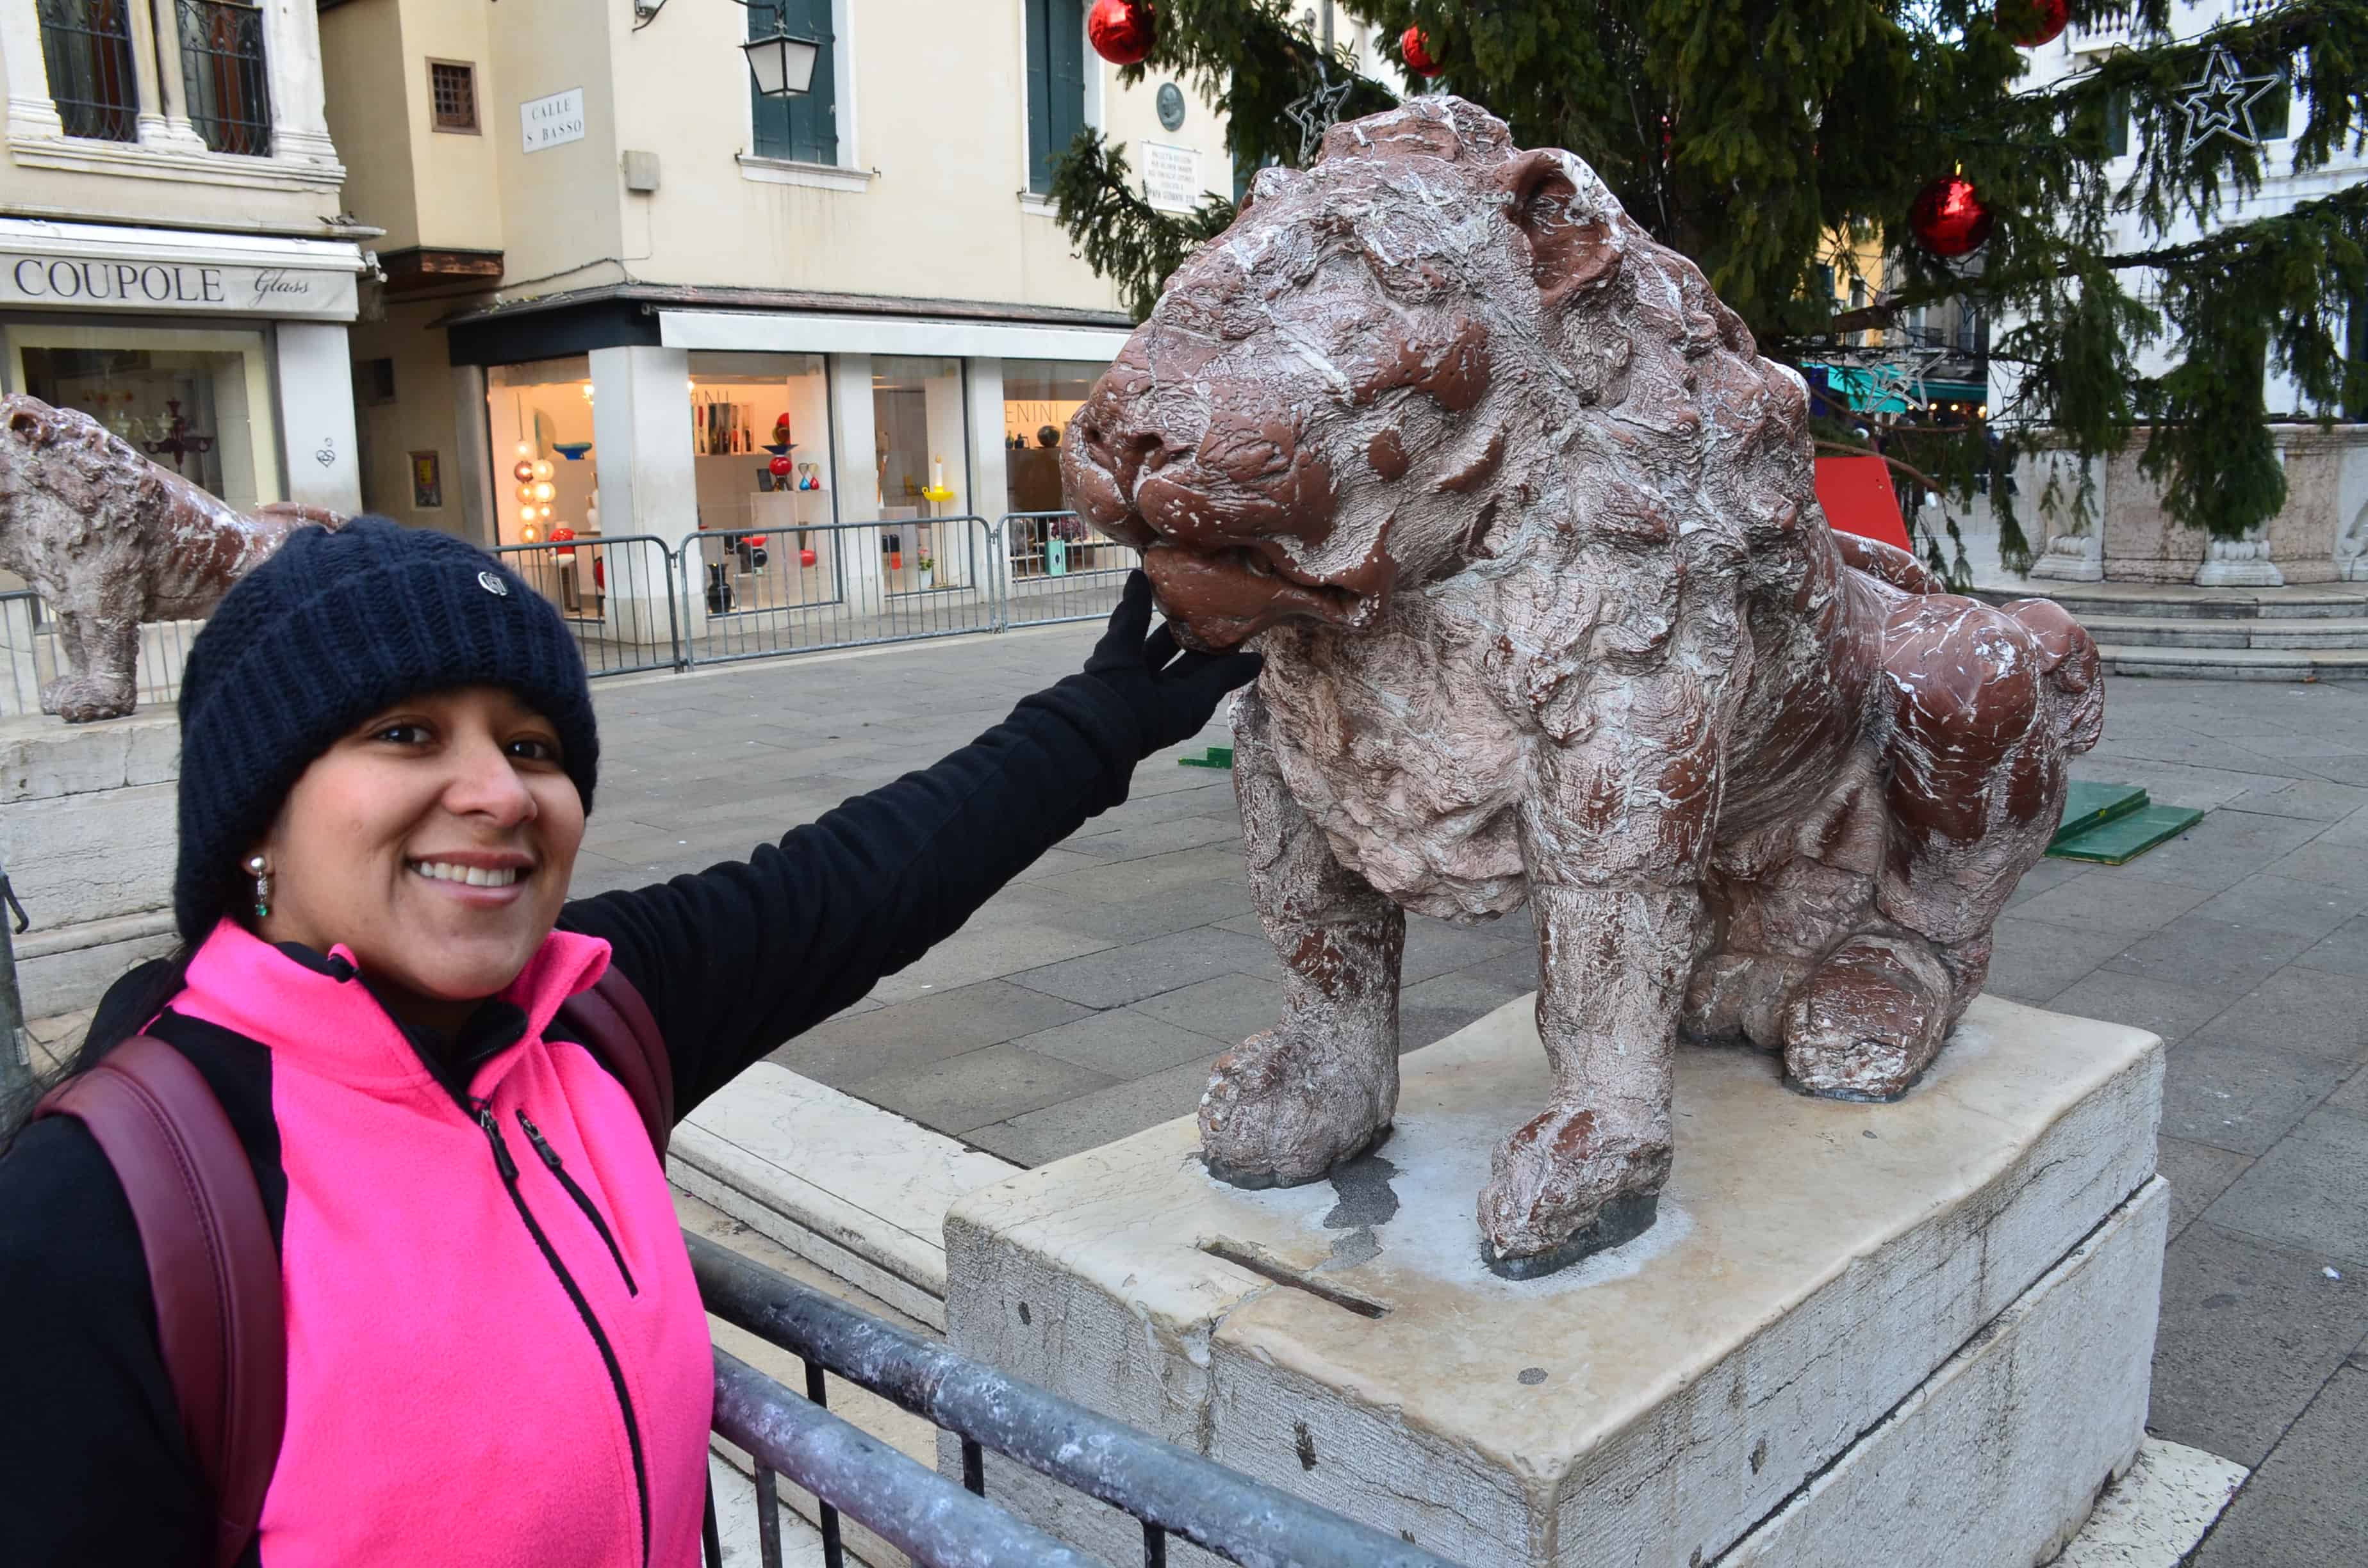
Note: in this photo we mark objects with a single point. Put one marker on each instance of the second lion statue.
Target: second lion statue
(1528, 534)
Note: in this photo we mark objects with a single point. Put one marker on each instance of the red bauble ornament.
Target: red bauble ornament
(781, 466)
(1950, 217)
(1122, 31)
(2031, 23)
(1416, 50)
(805, 557)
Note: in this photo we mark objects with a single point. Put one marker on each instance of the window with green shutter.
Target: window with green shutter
(803, 128)
(1056, 85)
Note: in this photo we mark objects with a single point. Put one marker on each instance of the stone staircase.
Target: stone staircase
(2318, 632)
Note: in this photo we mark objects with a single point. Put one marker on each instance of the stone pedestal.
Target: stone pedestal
(1915, 1333)
(88, 834)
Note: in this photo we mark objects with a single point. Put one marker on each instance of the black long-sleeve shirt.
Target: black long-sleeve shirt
(733, 960)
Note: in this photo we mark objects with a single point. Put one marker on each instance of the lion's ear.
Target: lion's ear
(1567, 251)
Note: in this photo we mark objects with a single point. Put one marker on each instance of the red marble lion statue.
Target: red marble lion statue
(1527, 532)
(109, 540)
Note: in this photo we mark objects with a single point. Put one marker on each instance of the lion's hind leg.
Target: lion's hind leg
(1869, 1020)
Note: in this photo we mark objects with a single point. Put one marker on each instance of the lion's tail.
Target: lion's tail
(2075, 672)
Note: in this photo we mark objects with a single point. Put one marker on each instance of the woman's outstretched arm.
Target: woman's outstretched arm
(741, 957)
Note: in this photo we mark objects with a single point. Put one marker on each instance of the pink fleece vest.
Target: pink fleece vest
(448, 1401)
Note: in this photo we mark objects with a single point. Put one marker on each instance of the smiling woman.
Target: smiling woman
(388, 755)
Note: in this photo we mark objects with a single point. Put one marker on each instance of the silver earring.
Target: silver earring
(262, 874)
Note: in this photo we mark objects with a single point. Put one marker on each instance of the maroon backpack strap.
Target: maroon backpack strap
(211, 1265)
(615, 1025)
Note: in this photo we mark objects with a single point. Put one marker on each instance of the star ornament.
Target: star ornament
(1318, 111)
(1901, 382)
(2223, 102)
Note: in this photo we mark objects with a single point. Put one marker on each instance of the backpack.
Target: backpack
(211, 1266)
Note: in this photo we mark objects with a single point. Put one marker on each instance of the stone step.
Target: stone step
(2176, 601)
(2170, 631)
(856, 1191)
(2235, 664)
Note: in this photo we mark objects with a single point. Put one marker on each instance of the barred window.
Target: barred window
(452, 95)
(86, 45)
(223, 67)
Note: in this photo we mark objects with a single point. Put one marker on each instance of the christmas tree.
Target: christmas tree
(1769, 141)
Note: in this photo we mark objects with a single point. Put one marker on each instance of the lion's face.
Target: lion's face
(1317, 410)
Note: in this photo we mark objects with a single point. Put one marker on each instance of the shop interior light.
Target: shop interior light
(782, 65)
(544, 491)
(543, 469)
(526, 449)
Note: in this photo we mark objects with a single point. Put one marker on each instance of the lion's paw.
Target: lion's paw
(1868, 1023)
(78, 700)
(1573, 1182)
(1281, 1109)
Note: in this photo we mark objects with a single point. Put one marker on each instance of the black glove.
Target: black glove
(1171, 692)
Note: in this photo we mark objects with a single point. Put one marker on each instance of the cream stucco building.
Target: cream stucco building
(606, 253)
(174, 260)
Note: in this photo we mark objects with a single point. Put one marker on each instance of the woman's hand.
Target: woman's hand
(1172, 692)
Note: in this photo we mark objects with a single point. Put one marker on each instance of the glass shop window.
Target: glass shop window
(760, 442)
(1039, 396)
(546, 475)
(196, 403)
(920, 433)
(86, 46)
(803, 128)
(1056, 85)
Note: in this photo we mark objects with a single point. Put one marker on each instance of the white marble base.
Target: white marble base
(88, 835)
(1894, 1325)
(2154, 1514)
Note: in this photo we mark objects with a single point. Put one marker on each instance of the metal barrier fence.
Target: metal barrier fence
(1058, 568)
(728, 595)
(617, 595)
(1169, 1490)
(32, 654)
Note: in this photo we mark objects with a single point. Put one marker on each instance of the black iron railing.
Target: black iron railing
(1170, 1491)
(86, 46)
(223, 68)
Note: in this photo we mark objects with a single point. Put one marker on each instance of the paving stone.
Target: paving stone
(913, 1034)
(1153, 874)
(2214, 954)
(2345, 951)
(1156, 839)
(1154, 914)
(2169, 1009)
(2223, 849)
(987, 947)
(2298, 1012)
(1437, 947)
(2197, 1173)
(2032, 960)
(2337, 866)
(2240, 1097)
(1436, 1008)
(2304, 1505)
(2248, 1334)
(1053, 863)
(2103, 901)
(977, 1088)
(2288, 903)
(1103, 1116)
(2044, 877)
(2353, 1096)
(2310, 1192)
(1229, 1008)
(1120, 975)
(2315, 798)
(1122, 1043)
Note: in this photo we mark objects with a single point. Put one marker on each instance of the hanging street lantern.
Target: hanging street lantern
(782, 65)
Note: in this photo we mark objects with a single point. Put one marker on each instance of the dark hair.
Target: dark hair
(139, 995)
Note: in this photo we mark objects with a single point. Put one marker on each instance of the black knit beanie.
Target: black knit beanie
(332, 628)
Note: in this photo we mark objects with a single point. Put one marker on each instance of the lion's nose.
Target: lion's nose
(1127, 454)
